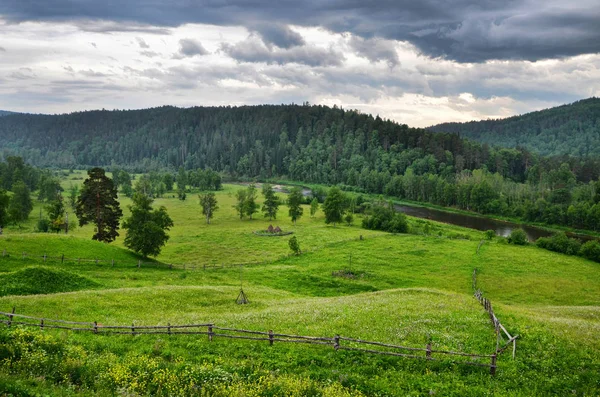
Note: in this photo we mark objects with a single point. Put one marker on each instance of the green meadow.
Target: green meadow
(405, 289)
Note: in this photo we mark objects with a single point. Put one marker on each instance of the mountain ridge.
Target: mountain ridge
(570, 129)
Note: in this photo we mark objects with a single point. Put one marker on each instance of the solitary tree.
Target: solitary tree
(250, 204)
(182, 180)
(146, 228)
(314, 207)
(209, 205)
(20, 204)
(295, 204)
(294, 245)
(240, 204)
(98, 204)
(334, 206)
(271, 203)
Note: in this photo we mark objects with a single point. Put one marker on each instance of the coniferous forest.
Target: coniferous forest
(318, 144)
(569, 129)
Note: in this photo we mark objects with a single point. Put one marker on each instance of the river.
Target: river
(502, 228)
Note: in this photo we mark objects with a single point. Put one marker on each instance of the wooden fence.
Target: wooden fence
(213, 331)
(501, 331)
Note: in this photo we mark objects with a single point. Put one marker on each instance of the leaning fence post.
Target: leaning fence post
(95, 327)
(271, 337)
(42, 324)
(428, 351)
(514, 347)
(493, 366)
(11, 316)
(62, 258)
(210, 333)
(336, 342)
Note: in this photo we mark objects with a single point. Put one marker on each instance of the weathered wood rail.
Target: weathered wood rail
(501, 331)
(213, 331)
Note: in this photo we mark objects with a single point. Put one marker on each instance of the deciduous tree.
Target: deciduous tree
(146, 228)
(334, 206)
(209, 205)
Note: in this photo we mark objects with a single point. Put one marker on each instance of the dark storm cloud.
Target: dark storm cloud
(375, 50)
(279, 35)
(462, 30)
(190, 48)
(255, 51)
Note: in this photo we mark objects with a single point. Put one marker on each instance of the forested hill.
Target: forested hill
(305, 143)
(5, 113)
(569, 129)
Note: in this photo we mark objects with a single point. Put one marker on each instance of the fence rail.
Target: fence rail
(498, 327)
(213, 331)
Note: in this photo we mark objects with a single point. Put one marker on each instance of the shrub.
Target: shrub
(294, 245)
(43, 225)
(560, 243)
(489, 234)
(384, 218)
(591, 250)
(518, 237)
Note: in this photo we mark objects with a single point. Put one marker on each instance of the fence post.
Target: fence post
(96, 261)
(169, 328)
(210, 333)
(4, 253)
(42, 324)
(23, 254)
(132, 329)
(428, 352)
(336, 342)
(271, 337)
(112, 262)
(62, 258)
(11, 316)
(204, 266)
(493, 367)
(514, 347)
(44, 258)
(139, 264)
(95, 327)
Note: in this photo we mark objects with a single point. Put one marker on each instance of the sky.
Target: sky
(417, 62)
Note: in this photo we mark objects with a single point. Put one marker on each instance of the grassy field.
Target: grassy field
(403, 289)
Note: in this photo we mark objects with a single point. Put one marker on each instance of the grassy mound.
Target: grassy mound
(41, 280)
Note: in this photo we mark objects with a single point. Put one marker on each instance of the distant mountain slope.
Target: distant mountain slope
(569, 129)
(5, 113)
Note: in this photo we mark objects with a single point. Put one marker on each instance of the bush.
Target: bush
(489, 234)
(294, 245)
(559, 243)
(518, 237)
(384, 218)
(591, 250)
(43, 225)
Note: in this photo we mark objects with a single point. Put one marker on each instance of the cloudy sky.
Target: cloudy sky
(417, 62)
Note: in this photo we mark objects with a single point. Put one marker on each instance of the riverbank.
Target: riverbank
(508, 221)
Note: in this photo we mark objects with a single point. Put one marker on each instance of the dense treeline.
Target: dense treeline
(313, 144)
(570, 129)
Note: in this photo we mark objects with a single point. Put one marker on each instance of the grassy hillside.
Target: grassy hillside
(403, 289)
(569, 129)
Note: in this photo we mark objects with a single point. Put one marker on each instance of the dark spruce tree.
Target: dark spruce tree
(146, 228)
(97, 203)
(271, 203)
